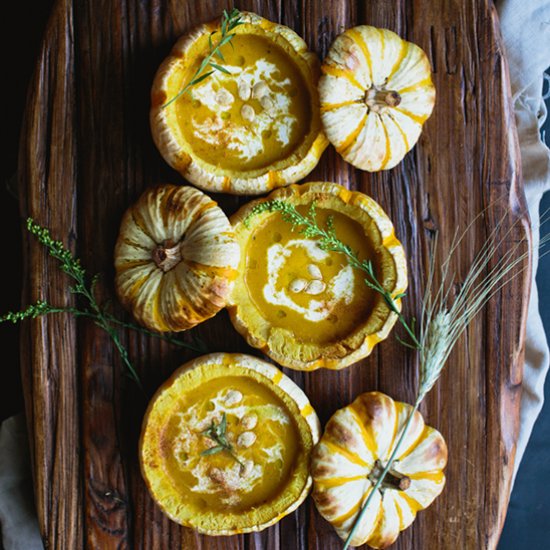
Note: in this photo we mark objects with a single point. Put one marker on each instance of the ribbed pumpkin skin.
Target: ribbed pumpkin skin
(282, 344)
(153, 448)
(370, 128)
(354, 439)
(196, 230)
(179, 153)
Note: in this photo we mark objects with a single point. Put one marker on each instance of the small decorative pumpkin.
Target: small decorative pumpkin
(306, 307)
(175, 258)
(376, 93)
(250, 127)
(352, 453)
(226, 443)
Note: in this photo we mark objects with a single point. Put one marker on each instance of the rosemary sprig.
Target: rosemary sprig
(95, 311)
(328, 240)
(444, 320)
(217, 433)
(229, 22)
(444, 317)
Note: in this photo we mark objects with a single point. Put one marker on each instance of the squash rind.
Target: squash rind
(179, 154)
(164, 404)
(280, 344)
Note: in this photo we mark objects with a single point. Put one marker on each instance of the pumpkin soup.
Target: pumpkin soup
(225, 444)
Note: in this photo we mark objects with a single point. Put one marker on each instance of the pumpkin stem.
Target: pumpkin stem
(396, 480)
(391, 97)
(382, 98)
(393, 479)
(167, 255)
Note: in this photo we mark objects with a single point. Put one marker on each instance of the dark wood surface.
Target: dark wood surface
(86, 154)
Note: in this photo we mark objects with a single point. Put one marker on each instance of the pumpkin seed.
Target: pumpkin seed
(247, 112)
(203, 425)
(260, 90)
(314, 271)
(267, 103)
(224, 97)
(233, 397)
(249, 421)
(245, 91)
(297, 285)
(216, 475)
(246, 468)
(315, 287)
(246, 439)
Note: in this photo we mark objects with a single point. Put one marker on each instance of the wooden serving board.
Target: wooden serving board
(87, 153)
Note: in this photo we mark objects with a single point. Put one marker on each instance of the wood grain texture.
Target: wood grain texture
(87, 153)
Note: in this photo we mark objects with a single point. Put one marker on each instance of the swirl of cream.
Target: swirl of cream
(339, 288)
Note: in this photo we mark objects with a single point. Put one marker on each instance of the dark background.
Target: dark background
(527, 524)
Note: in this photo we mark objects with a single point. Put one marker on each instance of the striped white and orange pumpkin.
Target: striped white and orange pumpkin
(376, 92)
(350, 456)
(175, 258)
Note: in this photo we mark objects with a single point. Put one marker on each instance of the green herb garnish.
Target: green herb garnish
(217, 433)
(229, 22)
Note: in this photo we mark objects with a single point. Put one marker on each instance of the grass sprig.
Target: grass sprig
(31, 312)
(445, 318)
(94, 310)
(229, 22)
(445, 315)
